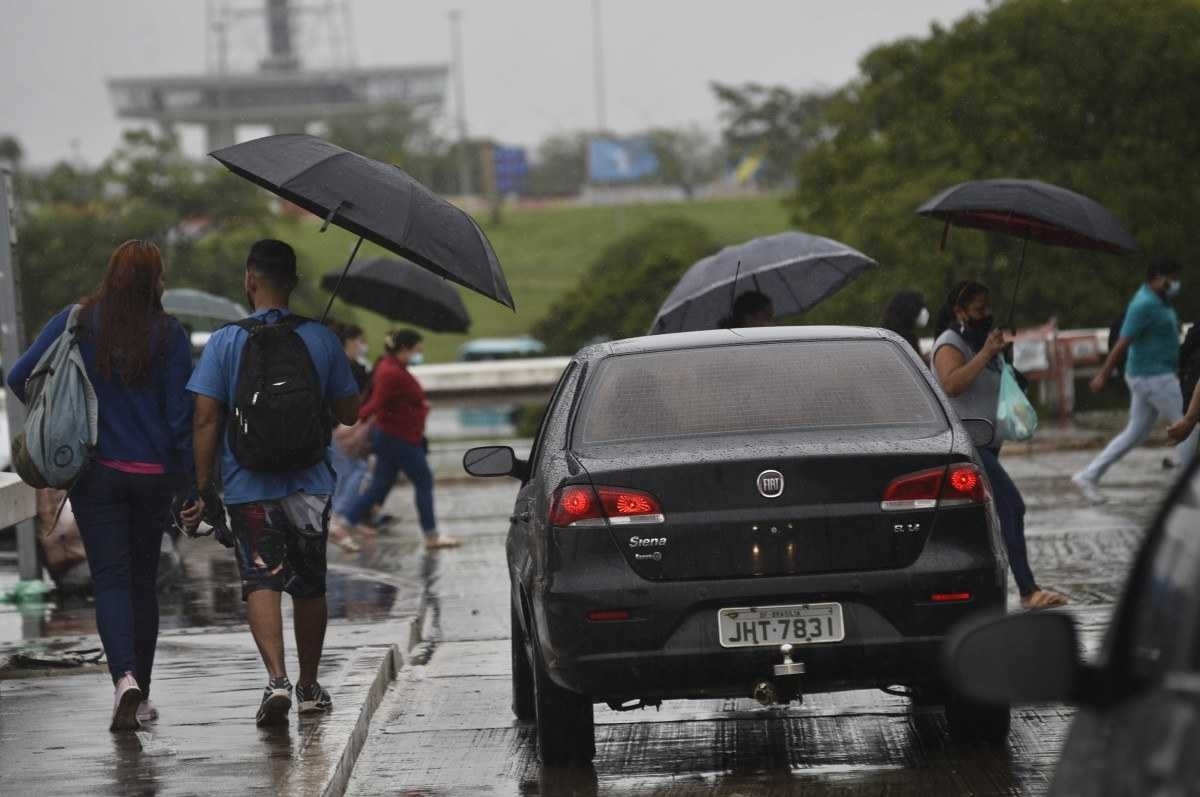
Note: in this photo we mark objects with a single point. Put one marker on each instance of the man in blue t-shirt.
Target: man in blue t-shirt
(1150, 337)
(279, 521)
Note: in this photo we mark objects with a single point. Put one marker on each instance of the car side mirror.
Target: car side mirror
(1020, 658)
(982, 432)
(493, 461)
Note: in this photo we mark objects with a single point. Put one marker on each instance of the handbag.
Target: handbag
(354, 441)
(1016, 419)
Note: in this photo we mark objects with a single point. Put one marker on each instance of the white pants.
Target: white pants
(1151, 398)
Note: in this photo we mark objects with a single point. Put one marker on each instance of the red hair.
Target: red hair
(128, 307)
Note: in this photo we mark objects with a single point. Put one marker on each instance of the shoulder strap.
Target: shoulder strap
(248, 324)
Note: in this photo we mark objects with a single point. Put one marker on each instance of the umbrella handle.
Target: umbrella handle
(341, 277)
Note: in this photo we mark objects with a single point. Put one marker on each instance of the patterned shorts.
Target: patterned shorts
(280, 545)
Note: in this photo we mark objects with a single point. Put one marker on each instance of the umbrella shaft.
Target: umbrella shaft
(341, 278)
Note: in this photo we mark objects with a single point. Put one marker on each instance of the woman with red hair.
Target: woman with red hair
(138, 359)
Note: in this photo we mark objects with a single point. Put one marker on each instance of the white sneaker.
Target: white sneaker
(146, 712)
(126, 698)
(1089, 488)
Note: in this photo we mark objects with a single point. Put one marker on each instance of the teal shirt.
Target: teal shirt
(1153, 331)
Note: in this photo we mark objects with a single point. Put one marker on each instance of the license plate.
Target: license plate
(798, 624)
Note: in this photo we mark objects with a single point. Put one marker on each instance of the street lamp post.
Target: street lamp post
(598, 52)
(460, 102)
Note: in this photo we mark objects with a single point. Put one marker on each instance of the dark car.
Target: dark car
(742, 513)
(1138, 726)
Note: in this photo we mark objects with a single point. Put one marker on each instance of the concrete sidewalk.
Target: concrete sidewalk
(54, 736)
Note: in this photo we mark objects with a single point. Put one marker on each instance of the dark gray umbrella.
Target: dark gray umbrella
(375, 201)
(189, 301)
(794, 269)
(401, 291)
(1030, 210)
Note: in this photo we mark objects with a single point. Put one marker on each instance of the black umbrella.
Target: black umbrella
(1030, 210)
(375, 201)
(794, 269)
(401, 291)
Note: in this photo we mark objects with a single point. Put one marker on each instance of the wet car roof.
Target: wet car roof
(717, 337)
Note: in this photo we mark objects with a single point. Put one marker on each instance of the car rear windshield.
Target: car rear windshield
(842, 388)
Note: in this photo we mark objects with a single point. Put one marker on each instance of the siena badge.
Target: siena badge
(770, 484)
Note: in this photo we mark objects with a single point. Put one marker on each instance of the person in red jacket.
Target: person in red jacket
(398, 408)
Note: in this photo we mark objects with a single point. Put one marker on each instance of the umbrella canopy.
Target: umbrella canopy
(796, 270)
(191, 302)
(375, 201)
(1032, 210)
(401, 291)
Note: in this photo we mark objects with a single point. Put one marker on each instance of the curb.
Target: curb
(385, 673)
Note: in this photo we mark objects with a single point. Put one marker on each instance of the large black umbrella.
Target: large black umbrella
(1030, 210)
(794, 269)
(401, 291)
(375, 201)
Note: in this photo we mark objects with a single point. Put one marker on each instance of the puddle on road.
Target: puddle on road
(206, 595)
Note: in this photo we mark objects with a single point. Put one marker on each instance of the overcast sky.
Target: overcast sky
(528, 63)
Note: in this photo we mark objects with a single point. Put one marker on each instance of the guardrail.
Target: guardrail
(1050, 357)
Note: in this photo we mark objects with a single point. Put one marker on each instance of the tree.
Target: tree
(621, 291)
(686, 157)
(1027, 88)
(560, 168)
(71, 219)
(771, 122)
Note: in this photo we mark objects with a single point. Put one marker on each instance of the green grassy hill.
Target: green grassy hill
(543, 253)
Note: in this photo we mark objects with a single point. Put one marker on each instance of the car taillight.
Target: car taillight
(583, 505)
(957, 485)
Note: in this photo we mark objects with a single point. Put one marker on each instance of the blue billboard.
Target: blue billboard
(612, 160)
(511, 169)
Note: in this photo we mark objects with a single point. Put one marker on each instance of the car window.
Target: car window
(838, 388)
(1162, 626)
(555, 419)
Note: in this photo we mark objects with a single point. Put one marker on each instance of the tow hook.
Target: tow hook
(788, 667)
(786, 685)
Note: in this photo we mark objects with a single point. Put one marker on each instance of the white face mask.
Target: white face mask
(923, 317)
(1173, 287)
(363, 348)
(416, 358)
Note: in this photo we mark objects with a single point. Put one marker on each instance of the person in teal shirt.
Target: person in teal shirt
(1149, 342)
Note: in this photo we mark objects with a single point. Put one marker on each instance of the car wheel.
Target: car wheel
(522, 676)
(977, 722)
(565, 729)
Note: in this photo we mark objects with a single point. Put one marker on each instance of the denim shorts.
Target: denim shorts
(280, 545)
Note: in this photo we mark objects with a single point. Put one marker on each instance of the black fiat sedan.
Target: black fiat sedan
(743, 513)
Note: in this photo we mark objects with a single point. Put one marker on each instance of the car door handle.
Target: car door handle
(520, 517)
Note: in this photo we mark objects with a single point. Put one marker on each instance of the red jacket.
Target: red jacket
(397, 402)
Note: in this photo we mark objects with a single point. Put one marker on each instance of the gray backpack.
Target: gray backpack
(59, 436)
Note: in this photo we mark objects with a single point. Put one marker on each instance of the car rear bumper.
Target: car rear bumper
(669, 648)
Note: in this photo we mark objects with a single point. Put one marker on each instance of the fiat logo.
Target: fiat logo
(770, 484)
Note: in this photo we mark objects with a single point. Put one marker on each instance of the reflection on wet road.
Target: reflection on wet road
(446, 727)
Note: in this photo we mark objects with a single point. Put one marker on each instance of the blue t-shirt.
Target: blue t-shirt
(216, 377)
(1153, 331)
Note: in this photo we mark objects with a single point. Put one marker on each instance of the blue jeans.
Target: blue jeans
(393, 455)
(121, 519)
(349, 473)
(1010, 508)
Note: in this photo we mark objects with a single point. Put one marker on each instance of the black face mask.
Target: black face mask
(976, 330)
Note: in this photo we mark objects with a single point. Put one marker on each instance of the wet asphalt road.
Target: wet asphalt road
(446, 726)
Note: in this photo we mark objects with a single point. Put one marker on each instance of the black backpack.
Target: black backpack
(279, 421)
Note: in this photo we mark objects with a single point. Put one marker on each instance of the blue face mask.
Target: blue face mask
(416, 358)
